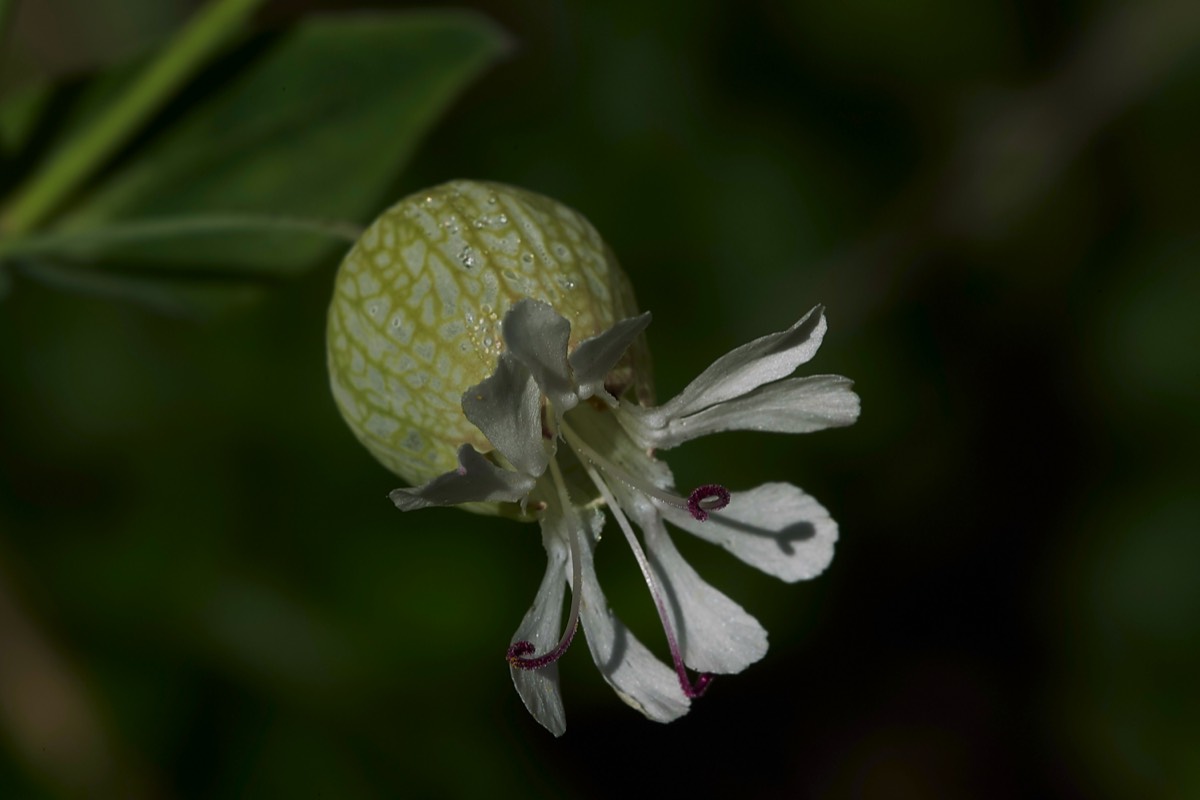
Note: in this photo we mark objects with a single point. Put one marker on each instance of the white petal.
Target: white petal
(714, 633)
(793, 405)
(637, 676)
(744, 369)
(541, 626)
(537, 336)
(507, 408)
(594, 358)
(776, 527)
(477, 480)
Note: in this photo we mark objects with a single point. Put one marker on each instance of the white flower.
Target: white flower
(566, 445)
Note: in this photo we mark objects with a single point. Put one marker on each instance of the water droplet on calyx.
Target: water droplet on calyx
(490, 221)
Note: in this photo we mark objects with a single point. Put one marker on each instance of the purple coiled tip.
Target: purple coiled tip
(517, 651)
(710, 497)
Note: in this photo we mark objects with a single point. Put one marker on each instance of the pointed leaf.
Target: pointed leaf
(318, 128)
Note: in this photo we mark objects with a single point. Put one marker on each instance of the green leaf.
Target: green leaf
(106, 261)
(19, 114)
(192, 295)
(318, 128)
(90, 147)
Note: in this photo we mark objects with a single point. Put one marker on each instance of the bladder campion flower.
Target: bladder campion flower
(484, 345)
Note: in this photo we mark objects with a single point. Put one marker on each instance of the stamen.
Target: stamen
(711, 497)
(690, 689)
(519, 652)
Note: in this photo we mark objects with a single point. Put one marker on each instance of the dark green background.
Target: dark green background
(996, 201)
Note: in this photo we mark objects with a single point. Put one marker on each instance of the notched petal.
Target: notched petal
(744, 369)
(635, 674)
(539, 688)
(477, 480)
(776, 528)
(715, 634)
(507, 409)
(792, 405)
(537, 336)
(594, 358)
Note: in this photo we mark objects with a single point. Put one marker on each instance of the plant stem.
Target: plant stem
(84, 154)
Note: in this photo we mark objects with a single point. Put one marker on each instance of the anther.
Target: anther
(710, 497)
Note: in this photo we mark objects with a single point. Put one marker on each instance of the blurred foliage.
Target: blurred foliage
(204, 591)
(221, 200)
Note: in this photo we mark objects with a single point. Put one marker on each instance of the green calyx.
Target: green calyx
(417, 305)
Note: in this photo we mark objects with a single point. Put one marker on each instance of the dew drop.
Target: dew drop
(527, 258)
(467, 257)
(490, 221)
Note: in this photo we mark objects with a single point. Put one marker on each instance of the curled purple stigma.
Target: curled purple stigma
(518, 652)
(710, 497)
